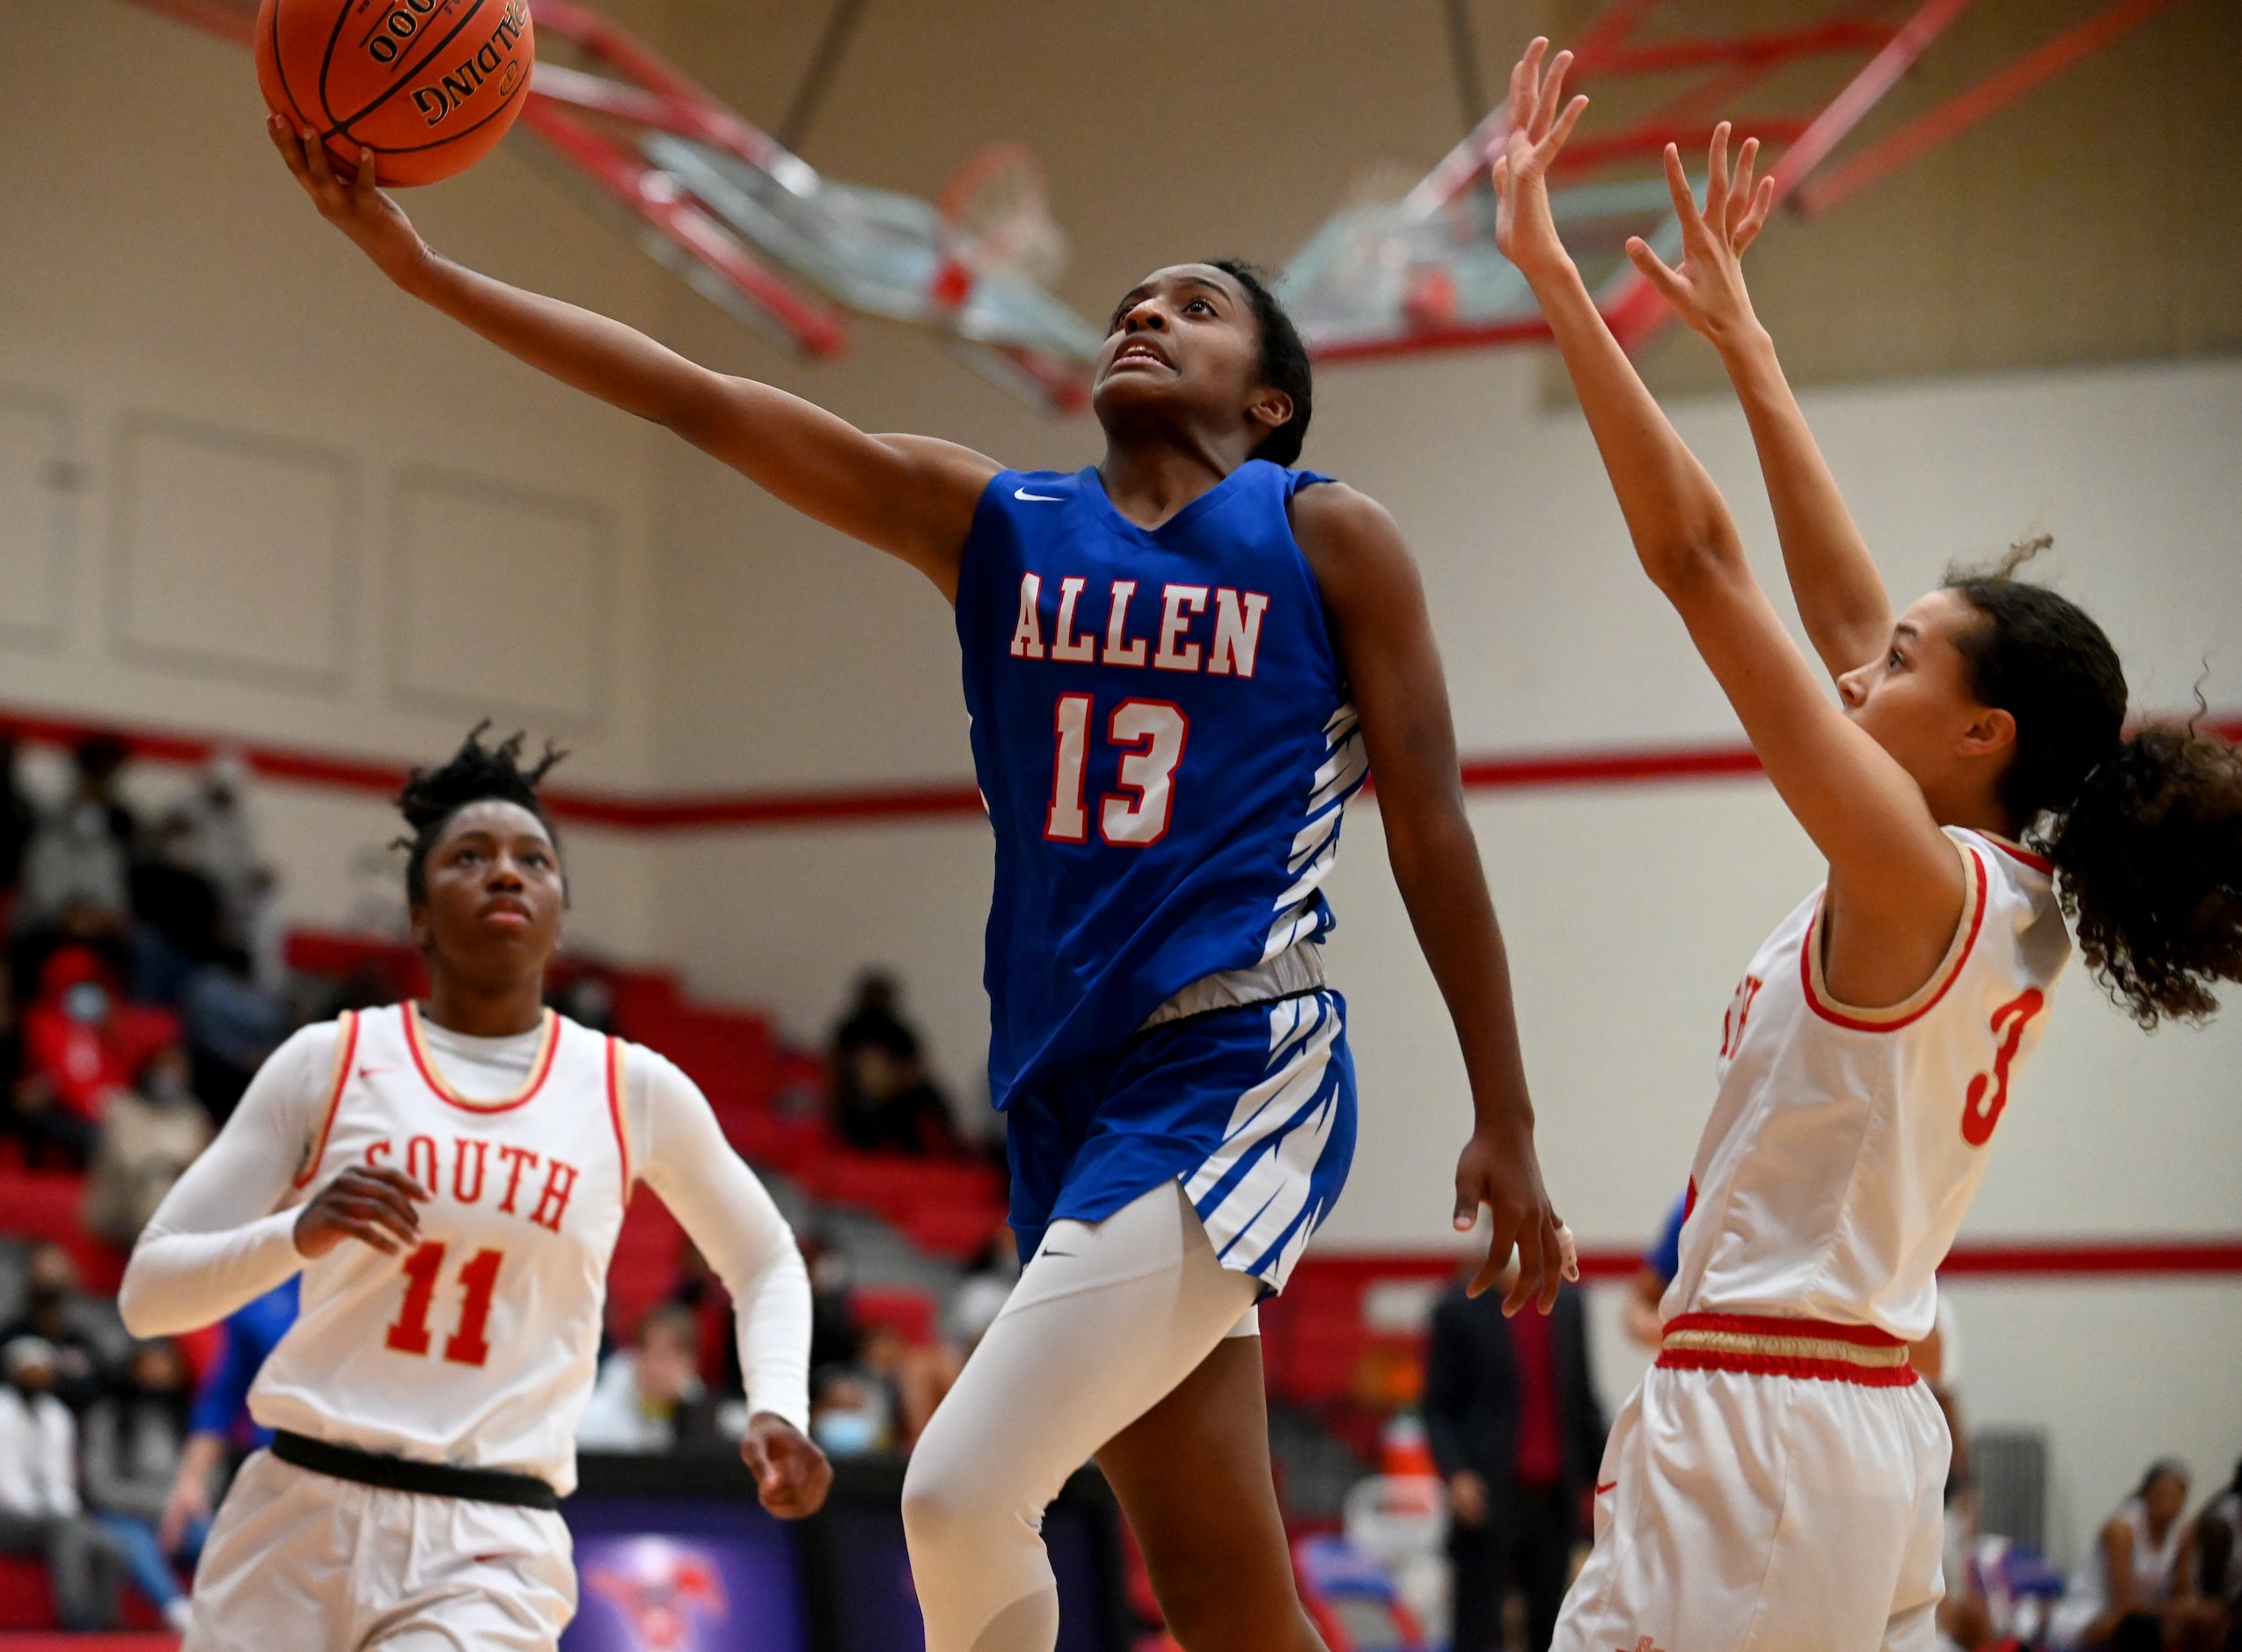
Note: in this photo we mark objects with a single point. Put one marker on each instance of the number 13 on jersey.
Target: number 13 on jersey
(1151, 736)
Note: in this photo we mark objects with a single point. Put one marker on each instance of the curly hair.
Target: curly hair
(1284, 360)
(2145, 829)
(475, 773)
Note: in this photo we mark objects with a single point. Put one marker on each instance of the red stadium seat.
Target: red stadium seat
(909, 1313)
(40, 1205)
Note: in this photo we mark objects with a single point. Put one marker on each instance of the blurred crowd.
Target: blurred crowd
(141, 985)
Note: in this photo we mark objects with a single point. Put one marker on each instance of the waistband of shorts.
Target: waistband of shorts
(1769, 1346)
(399, 1474)
(1293, 973)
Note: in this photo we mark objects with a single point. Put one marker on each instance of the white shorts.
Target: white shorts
(302, 1560)
(1738, 1510)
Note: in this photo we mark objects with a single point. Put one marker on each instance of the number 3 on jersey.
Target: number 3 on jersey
(1150, 734)
(409, 1333)
(1981, 1111)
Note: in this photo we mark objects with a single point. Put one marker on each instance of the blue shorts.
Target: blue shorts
(1252, 1109)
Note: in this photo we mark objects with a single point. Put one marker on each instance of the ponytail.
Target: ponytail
(2145, 829)
(2150, 858)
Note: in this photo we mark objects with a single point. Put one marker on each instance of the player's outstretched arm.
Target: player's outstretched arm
(730, 1217)
(912, 497)
(1841, 597)
(1896, 883)
(1384, 633)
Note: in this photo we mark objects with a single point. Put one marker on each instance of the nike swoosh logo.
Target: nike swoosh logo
(1040, 499)
(368, 1072)
(1059, 1253)
(1609, 1485)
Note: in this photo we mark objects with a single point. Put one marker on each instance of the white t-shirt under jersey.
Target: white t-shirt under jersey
(479, 1349)
(1847, 1143)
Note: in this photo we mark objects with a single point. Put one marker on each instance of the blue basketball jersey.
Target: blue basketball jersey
(1163, 736)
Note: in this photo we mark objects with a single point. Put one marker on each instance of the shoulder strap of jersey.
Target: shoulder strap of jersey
(618, 1112)
(345, 1051)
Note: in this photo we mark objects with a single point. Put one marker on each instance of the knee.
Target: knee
(946, 1504)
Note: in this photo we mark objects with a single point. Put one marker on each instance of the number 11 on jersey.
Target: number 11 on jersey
(1151, 736)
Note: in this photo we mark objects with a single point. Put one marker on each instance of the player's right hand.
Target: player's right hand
(1499, 1171)
(1539, 122)
(356, 208)
(369, 1202)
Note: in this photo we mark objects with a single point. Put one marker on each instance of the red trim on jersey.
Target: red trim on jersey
(346, 1048)
(2018, 851)
(1777, 1328)
(1825, 1371)
(435, 1079)
(1858, 1020)
(615, 1111)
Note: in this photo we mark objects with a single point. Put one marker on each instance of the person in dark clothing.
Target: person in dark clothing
(18, 820)
(1516, 1432)
(882, 1100)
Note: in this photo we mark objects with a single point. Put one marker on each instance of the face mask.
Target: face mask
(846, 1433)
(87, 1002)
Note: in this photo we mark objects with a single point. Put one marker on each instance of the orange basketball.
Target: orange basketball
(428, 86)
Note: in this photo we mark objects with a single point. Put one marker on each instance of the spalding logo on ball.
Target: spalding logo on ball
(428, 86)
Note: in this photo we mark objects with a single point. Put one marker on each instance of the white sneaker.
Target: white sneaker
(181, 1615)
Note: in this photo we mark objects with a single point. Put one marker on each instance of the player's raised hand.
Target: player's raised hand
(1499, 1169)
(1708, 291)
(369, 1202)
(1539, 122)
(355, 206)
(791, 1474)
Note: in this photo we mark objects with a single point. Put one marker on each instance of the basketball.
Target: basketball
(428, 86)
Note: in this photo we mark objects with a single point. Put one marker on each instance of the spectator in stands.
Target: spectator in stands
(82, 1045)
(148, 1136)
(2218, 1556)
(39, 1508)
(833, 1335)
(848, 1413)
(1516, 1432)
(981, 1294)
(2136, 1592)
(79, 859)
(84, 1337)
(19, 821)
(882, 1100)
(650, 1398)
(180, 925)
(1646, 1325)
(214, 837)
(231, 1025)
(135, 1437)
(220, 1421)
(915, 1378)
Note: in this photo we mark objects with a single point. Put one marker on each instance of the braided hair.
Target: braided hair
(2144, 828)
(475, 773)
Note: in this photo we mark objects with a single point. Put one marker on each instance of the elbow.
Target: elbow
(139, 1306)
(1686, 564)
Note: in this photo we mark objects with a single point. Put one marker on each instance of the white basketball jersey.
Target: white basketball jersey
(477, 1348)
(1846, 1144)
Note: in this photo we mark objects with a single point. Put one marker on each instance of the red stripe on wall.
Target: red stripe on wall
(2217, 1256)
(842, 806)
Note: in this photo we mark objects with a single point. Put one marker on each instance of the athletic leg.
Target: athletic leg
(277, 1568)
(1192, 1474)
(465, 1576)
(1106, 1319)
